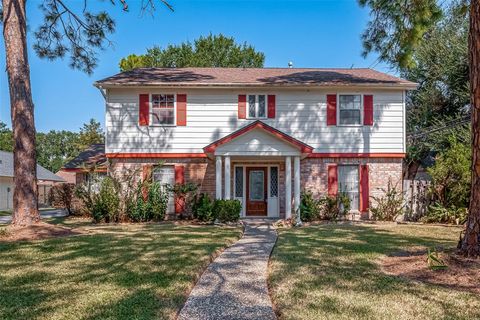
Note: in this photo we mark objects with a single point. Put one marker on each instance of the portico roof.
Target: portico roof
(262, 139)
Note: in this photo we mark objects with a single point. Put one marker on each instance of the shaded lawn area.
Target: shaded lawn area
(332, 272)
(115, 272)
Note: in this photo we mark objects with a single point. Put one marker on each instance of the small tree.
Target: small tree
(62, 195)
(451, 176)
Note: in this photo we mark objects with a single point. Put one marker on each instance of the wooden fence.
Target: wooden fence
(417, 198)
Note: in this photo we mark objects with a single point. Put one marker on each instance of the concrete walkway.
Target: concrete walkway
(54, 213)
(234, 286)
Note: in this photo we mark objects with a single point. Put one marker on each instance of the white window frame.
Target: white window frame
(358, 173)
(361, 109)
(150, 113)
(256, 106)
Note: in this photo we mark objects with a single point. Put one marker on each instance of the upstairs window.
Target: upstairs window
(257, 106)
(163, 109)
(350, 109)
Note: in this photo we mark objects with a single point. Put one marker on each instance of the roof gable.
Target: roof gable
(258, 137)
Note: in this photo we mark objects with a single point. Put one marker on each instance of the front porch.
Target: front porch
(259, 166)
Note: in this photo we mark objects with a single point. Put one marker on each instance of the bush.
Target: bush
(203, 208)
(439, 214)
(227, 210)
(106, 203)
(330, 209)
(149, 203)
(185, 194)
(62, 196)
(309, 207)
(451, 176)
(344, 203)
(389, 206)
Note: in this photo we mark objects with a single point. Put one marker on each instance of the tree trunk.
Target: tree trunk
(470, 243)
(24, 158)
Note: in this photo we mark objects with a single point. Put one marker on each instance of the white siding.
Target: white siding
(212, 114)
(6, 193)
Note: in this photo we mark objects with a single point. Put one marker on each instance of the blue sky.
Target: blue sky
(311, 33)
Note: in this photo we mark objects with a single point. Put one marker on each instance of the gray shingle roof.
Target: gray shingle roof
(222, 77)
(93, 155)
(6, 168)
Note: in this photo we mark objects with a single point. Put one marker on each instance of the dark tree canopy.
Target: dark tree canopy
(443, 96)
(209, 51)
(397, 27)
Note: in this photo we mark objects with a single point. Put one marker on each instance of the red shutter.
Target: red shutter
(364, 188)
(332, 180)
(271, 106)
(146, 177)
(242, 106)
(181, 109)
(143, 109)
(368, 110)
(331, 109)
(180, 179)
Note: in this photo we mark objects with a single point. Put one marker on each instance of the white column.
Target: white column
(218, 178)
(227, 178)
(296, 188)
(288, 187)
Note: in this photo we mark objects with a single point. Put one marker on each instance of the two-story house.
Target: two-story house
(260, 135)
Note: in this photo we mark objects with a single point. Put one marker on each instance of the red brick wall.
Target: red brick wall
(313, 172)
(380, 171)
(200, 171)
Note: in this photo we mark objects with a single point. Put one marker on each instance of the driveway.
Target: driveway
(234, 286)
(54, 213)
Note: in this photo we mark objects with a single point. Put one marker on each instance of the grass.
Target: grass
(115, 272)
(331, 272)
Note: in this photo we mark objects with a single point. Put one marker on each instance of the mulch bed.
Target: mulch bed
(462, 273)
(37, 231)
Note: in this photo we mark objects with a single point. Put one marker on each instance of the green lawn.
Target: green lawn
(331, 272)
(115, 272)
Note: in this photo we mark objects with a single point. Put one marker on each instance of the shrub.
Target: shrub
(309, 207)
(203, 208)
(344, 203)
(150, 202)
(389, 206)
(106, 203)
(62, 196)
(437, 213)
(227, 210)
(330, 209)
(451, 176)
(185, 194)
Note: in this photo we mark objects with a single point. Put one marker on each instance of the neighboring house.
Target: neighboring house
(45, 180)
(90, 161)
(260, 135)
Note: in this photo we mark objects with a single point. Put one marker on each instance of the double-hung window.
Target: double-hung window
(163, 109)
(348, 183)
(257, 106)
(350, 106)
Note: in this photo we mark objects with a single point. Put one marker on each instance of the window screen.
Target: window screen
(350, 109)
(348, 183)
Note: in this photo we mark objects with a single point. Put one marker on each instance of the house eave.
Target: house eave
(399, 86)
